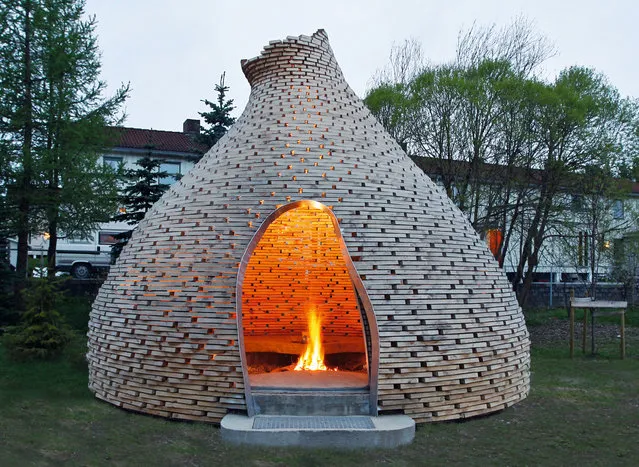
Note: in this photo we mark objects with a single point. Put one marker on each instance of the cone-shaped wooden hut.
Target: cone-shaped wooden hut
(307, 239)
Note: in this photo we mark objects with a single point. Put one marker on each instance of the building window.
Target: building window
(494, 237)
(112, 161)
(617, 209)
(173, 171)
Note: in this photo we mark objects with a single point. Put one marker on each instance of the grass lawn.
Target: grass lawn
(580, 412)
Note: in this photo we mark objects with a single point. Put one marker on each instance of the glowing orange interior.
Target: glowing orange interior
(297, 295)
(313, 356)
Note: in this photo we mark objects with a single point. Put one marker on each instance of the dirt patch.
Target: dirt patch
(558, 331)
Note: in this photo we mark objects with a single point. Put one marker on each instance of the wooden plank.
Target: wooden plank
(588, 303)
(285, 345)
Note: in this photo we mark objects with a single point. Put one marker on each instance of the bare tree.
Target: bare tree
(517, 43)
(405, 62)
(389, 95)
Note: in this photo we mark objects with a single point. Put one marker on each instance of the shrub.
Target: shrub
(41, 333)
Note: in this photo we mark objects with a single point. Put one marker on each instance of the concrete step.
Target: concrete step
(333, 403)
(350, 432)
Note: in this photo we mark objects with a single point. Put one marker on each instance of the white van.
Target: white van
(84, 257)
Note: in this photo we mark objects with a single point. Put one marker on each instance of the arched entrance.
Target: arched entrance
(305, 322)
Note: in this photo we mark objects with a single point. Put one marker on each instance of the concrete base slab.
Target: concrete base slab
(319, 403)
(350, 432)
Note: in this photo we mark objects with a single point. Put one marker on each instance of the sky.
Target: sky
(173, 52)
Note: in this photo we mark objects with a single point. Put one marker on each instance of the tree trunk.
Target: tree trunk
(25, 184)
(527, 247)
(534, 248)
(53, 245)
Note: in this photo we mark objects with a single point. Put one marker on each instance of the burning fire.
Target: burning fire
(313, 357)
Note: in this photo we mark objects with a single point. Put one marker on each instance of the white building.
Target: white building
(178, 153)
(566, 254)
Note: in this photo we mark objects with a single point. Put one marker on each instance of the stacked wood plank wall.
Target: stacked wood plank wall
(163, 335)
(296, 265)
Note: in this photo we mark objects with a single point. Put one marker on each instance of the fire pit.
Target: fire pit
(306, 266)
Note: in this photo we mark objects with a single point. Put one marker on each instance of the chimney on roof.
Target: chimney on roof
(191, 126)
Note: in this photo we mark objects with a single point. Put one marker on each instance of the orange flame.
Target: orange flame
(313, 357)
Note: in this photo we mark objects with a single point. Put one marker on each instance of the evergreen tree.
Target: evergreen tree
(52, 124)
(219, 117)
(144, 187)
(42, 333)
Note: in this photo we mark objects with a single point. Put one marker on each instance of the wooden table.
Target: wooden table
(596, 308)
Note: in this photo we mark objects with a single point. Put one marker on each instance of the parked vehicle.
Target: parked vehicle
(86, 256)
(83, 257)
(8, 252)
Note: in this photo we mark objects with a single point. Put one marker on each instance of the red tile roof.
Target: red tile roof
(173, 141)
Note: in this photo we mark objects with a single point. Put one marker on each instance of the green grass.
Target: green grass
(579, 412)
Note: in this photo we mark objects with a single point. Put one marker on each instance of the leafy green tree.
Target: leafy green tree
(143, 187)
(390, 98)
(506, 144)
(566, 128)
(218, 118)
(390, 104)
(17, 86)
(53, 121)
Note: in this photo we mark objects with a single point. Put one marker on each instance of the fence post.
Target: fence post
(572, 324)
